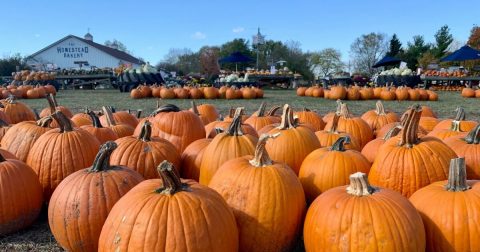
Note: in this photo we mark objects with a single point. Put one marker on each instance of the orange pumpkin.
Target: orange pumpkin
(378, 118)
(370, 150)
(121, 129)
(468, 93)
(311, 118)
(337, 92)
(260, 119)
(17, 111)
(97, 130)
(121, 117)
(207, 112)
(463, 124)
(191, 158)
(468, 147)
(428, 123)
(328, 137)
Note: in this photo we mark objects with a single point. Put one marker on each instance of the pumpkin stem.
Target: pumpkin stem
(218, 130)
(473, 136)
(3, 123)
(194, 108)
(288, 121)
(146, 132)
(35, 112)
(457, 176)
(2, 159)
(336, 118)
(261, 110)
(63, 121)
(11, 99)
(102, 160)
(139, 113)
(45, 121)
(305, 109)
(51, 103)
(112, 109)
(170, 178)
(339, 145)
(359, 185)
(231, 112)
(261, 157)
(392, 132)
(273, 110)
(166, 108)
(380, 109)
(235, 128)
(410, 129)
(455, 126)
(459, 114)
(95, 121)
(344, 111)
(107, 111)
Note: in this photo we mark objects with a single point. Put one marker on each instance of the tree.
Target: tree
(174, 53)
(327, 61)
(443, 39)
(209, 61)
(121, 47)
(415, 50)
(9, 64)
(236, 45)
(474, 39)
(426, 59)
(367, 50)
(395, 47)
(297, 60)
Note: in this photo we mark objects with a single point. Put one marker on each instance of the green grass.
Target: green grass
(76, 100)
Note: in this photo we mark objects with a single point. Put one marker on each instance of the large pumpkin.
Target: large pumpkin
(198, 219)
(468, 147)
(378, 118)
(225, 146)
(328, 137)
(307, 116)
(355, 126)
(96, 129)
(450, 211)
(144, 153)
(294, 143)
(81, 203)
(260, 119)
(20, 196)
(60, 152)
(360, 217)
(21, 136)
(406, 163)
(191, 158)
(16, 111)
(329, 167)
(274, 196)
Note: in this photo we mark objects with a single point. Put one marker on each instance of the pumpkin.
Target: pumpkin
(191, 158)
(428, 123)
(328, 137)
(378, 118)
(413, 95)
(401, 93)
(205, 119)
(21, 196)
(4, 127)
(213, 128)
(353, 93)
(121, 129)
(317, 92)
(144, 153)
(432, 96)
(355, 126)
(5, 118)
(468, 93)
(16, 111)
(53, 106)
(329, 167)
(301, 91)
(232, 143)
(60, 152)
(167, 93)
(72, 222)
(311, 118)
(198, 219)
(231, 114)
(366, 93)
(211, 93)
(82, 119)
(360, 217)
(468, 147)
(463, 125)
(122, 117)
(137, 93)
(337, 92)
(427, 111)
(98, 131)
(276, 202)
(388, 95)
(146, 90)
(329, 116)
(21, 136)
(180, 127)
(450, 211)
(406, 163)
(207, 112)
(370, 150)
(295, 142)
(260, 119)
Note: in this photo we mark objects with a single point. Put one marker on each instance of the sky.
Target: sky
(150, 28)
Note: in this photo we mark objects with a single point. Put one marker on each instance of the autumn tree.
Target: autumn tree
(474, 39)
(209, 61)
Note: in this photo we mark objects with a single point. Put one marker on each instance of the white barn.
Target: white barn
(72, 52)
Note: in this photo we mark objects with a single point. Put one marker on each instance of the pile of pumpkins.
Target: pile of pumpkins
(456, 73)
(27, 91)
(368, 93)
(193, 92)
(28, 75)
(185, 180)
(470, 93)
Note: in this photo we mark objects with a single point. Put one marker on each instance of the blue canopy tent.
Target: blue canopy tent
(236, 57)
(387, 61)
(463, 54)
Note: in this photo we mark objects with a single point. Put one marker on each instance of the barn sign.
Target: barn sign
(72, 51)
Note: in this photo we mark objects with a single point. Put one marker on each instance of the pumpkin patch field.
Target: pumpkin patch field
(94, 170)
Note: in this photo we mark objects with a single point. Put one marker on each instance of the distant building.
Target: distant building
(72, 52)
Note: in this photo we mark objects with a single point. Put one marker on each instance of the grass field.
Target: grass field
(39, 238)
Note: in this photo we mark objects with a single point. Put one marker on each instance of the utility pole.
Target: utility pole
(258, 40)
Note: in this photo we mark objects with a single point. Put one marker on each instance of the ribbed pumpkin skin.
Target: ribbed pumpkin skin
(258, 122)
(20, 138)
(383, 221)
(376, 121)
(56, 155)
(464, 125)
(20, 196)
(471, 153)
(311, 118)
(81, 203)
(144, 156)
(428, 123)
(122, 117)
(327, 138)
(208, 112)
(191, 159)
(324, 169)
(406, 170)
(370, 150)
(102, 134)
(450, 218)
(187, 221)
(356, 127)
(443, 134)
(122, 130)
(47, 111)
(268, 203)
(81, 119)
(223, 148)
(17, 111)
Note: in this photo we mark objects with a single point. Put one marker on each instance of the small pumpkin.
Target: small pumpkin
(370, 150)
(306, 116)
(121, 129)
(261, 119)
(82, 119)
(377, 118)
(460, 116)
(122, 117)
(328, 137)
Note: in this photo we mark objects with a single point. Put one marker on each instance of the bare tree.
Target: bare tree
(174, 55)
(120, 46)
(326, 62)
(367, 50)
(209, 61)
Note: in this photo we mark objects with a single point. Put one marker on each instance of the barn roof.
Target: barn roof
(108, 50)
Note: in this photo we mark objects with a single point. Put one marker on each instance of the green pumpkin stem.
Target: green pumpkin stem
(102, 160)
(146, 132)
(339, 145)
(288, 120)
(410, 129)
(455, 126)
(261, 110)
(457, 176)
(380, 109)
(63, 121)
(170, 178)
(95, 121)
(235, 128)
(261, 157)
(359, 185)
(45, 121)
(473, 136)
